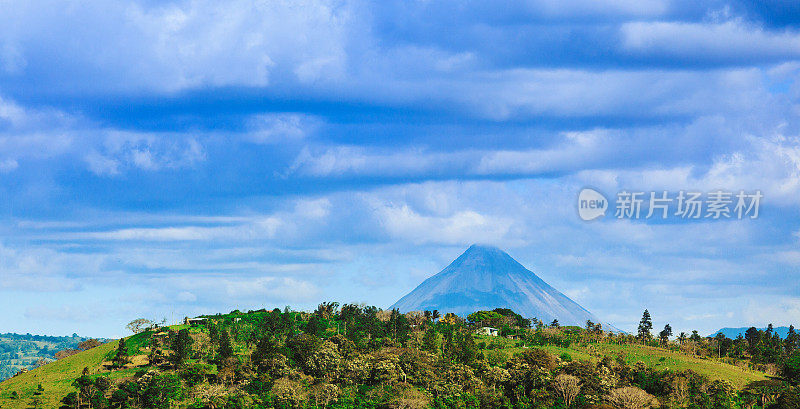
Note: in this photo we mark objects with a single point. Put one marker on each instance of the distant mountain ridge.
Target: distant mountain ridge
(732, 333)
(484, 278)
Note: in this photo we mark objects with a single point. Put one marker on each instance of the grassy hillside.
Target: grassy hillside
(306, 358)
(664, 359)
(657, 358)
(56, 378)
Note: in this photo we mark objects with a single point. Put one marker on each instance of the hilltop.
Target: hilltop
(364, 357)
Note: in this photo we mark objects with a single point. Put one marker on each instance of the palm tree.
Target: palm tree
(435, 315)
(682, 337)
(428, 318)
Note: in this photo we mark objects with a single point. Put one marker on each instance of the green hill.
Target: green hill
(361, 357)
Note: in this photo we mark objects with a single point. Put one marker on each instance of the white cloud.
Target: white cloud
(313, 208)
(781, 310)
(172, 46)
(44, 134)
(7, 165)
(149, 152)
(595, 9)
(463, 227)
(345, 160)
(265, 227)
(727, 40)
(186, 296)
(280, 128)
(289, 289)
(44, 269)
(770, 164)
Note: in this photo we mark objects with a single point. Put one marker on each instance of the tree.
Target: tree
(486, 319)
(722, 344)
(791, 368)
(791, 341)
(160, 391)
(139, 325)
(225, 346)
(266, 349)
(665, 334)
(555, 324)
(89, 344)
(398, 326)
(630, 397)
(301, 347)
(451, 319)
(415, 318)
(567, 387)
(467, 350)
(315, 325)
(695, 336)
(181, 345)
(327, 310)
(752, 336)
(645, 325)
(429, 341)
(121, 357)
(86, 388)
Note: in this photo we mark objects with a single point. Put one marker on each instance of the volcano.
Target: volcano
(485, 278)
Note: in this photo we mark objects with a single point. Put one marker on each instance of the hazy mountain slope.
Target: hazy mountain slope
(486, 278)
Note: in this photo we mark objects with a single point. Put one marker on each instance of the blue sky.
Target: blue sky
(172, 158)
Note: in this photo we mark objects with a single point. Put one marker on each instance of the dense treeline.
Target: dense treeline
(356, 356)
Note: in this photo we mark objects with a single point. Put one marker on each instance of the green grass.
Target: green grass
(55, 377)
(657, 358)
(663, 359)
(576, 355)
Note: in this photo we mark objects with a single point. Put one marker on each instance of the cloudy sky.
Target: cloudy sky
(172, 158)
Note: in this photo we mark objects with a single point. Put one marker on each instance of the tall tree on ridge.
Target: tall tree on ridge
(645, 325)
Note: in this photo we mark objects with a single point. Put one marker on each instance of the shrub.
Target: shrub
(630, 398)
(789, 399)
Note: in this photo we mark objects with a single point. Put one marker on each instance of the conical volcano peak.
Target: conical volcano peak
(481, 260)
(486, 277)
(482, 250)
